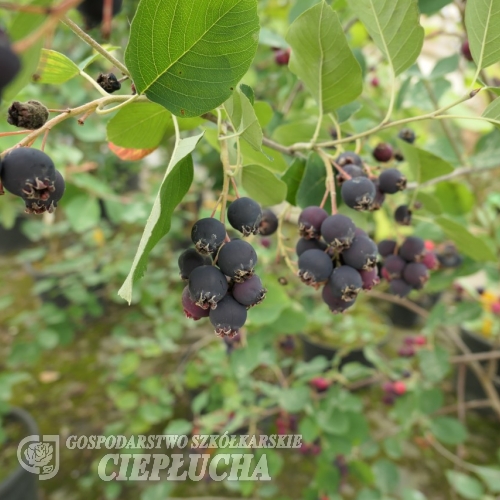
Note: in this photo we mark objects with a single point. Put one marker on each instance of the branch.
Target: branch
(479, 356)
(401, 302)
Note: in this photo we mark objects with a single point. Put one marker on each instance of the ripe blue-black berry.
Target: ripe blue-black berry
(335, 304)
(189, 260)
(92, 11)
(416, 274)
(349, 157)
(310, 221)
(407, 134)
(352, 170)
(191, 310)
(400, 288)
(358, 193)
(28, 173)
(10, 63)
(370, 278)
(269, 223)
(362, 254)
(315, 267)
(250, 292)
(379, 198)
(245, 215)
(237, 259)
(346, 283)
(228, 317)
(304, 245)
(207, 286)
(208, 235)
(338, 231)
(393, 267)
(386, 247)
(402, 215)
(412, 249)
(391, 181)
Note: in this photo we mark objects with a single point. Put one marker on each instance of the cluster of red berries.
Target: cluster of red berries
(393, 390)
(220, 272)
(334, 253)
(30, 174)
(406, 267)
(410, 345)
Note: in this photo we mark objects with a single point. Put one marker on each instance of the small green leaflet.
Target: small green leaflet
(190, 55)
(322, 59)
(262, 185)
(175, 185)
(243, 119)
(482, 20)
(493, 111)
(55, 68)
(395, 28)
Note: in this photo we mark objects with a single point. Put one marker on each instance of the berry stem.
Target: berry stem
(44, 140)
(233, 182)
(17, 132)
(90, 41)
(281, 249)
(325, 197)
(224, 156)
(330, 180)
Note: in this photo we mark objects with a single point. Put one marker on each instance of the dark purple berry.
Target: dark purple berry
(92, 11)
(49, 205)
(109, 82)
(358, 193)
(265, 242)
(369, 278)
(383, 152)
(191, 310)
(315, 267)
(416, 274)
(237, 259)
(338, 231)
(388, 399)
(407, 134)
(398, 156)
(412, 249)
(228, 317)
(346, 283)
(335, 304)
(402, 215)
(386, 247)
(465, 49)
(352, 170)
(245, 215)
(250, 292)
(269, 223)
(430, 260)
(393, 267)
(400, 288)
(30, 115)
(449, 257)
(282, 56)
(379, 199)
(207, 286)
(310, 221)
(304, 245)
(10, 63)
(360, 232)
(28, 173)
(208, 235)
(287, 344)
(362, 254)
(391, 181)
(190, 260)
(406, 351)
(348, 158)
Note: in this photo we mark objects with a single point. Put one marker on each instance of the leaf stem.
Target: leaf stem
(330, 180)
(100, 111)
(392, 100)
(99, 48)
(318, 127)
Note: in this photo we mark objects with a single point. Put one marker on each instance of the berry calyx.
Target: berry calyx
(391, 181)
(269, 223)
(346, 283)
(207, 286)
(362, 254)
(358, 193)
(310, 220)
(49, 205)
(338, 231)
(315, 267)
(383, 152)
(228, 317)
(245, 215)
(249, 293)
(208, 235)
(189, 260)
(335, 304)
(237, 259)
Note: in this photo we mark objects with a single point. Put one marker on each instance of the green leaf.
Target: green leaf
(431, 7)
(308, 429)
(140, 125)
(243, 118)
(386, 475)
(490, 476)
(262, 185)
(327, 478)
(430, 203)
(270, 310)
(312, 188)
(322, 59)
(55, 68)
(413, 494)
(334, 421)
(448, 430)
(188, 56)
(83, 213)
(482, 22)
(445, 66)
(248, 91)
(465, 485)
(395, 29)
(472, 246)
(294, 399)
(175, 185)
(455, 198)
(292, 178)
(424, 165)
(434, 365)
(493, 111)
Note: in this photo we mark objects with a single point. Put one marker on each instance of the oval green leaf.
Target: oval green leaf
(189, 56)
(55, 68)
(263, 185)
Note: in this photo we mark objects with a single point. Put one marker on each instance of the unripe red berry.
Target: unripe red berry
(320, 384)
(282, 57)
(465, 49)
(399, 387)
(420, 340)
(383, 152)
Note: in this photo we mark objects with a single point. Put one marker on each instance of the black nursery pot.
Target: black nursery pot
(477, 344)
(13, 239)
(20, 484)
(405, 318)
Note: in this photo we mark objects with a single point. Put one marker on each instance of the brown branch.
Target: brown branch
(400, 301)
(479, 356)
(469, 405)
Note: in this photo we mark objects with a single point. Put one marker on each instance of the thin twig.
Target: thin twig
(400, 301)
(479, 356)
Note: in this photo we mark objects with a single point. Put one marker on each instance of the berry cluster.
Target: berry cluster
(10, 63)
(334, 253)
(222, 283)
(361, 191)
(30, 174)
(407, 266)
(410, 344)
(393, 390)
